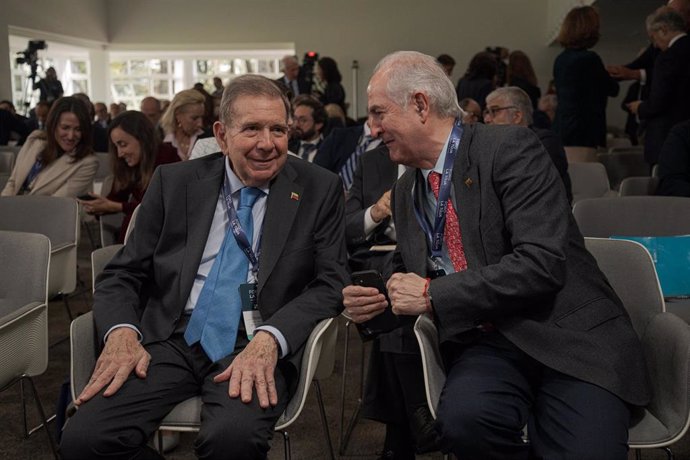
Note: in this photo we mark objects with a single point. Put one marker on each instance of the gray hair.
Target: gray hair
(249, 85)
(410, 72)
(666, 17)
(286, 59)
(517, 97)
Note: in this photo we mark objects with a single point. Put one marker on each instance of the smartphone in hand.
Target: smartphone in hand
(86, 197)
(383, 322)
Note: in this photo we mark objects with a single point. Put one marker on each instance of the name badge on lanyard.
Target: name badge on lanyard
(434, 234)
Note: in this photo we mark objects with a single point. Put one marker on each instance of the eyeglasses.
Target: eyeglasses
(494, 110)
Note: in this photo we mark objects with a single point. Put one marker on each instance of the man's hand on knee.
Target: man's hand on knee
(253, 368)
(122, 353)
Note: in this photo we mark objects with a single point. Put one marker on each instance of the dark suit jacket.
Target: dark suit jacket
(674, 162)
(583, 86)
(337, 147)
(302, 261)
(303, 85)
(552, 145)
(668, 102)
(528, 270)
(375, 174)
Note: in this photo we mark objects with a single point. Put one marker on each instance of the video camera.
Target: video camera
(308, 63)
(30, 55)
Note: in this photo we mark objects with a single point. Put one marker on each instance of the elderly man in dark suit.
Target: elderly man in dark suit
(530, 330)
(178, 307)
(667, 102)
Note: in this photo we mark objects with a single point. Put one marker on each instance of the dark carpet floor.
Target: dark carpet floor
(306, 434)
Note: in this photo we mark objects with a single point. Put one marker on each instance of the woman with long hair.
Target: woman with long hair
(329, 76)
(520, 73)
(135, 152)
(58, 161)
(479, 79)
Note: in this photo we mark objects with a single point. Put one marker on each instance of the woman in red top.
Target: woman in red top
(135, 152)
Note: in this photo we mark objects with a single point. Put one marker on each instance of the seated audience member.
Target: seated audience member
(394, 390)
(39, 116)
(479, 79)
(674, 162)
(309, 119)
(115, 109)
(447, 62)
(182, 122)
(510, 105)
(473, 112)
(667, 101)
(548, 104)
(135, 151)
(292, 81)
(340, 151)
(102, 115)
(530, 330)
(336, 118)
(217, 88)
(520, 73)
(12, 126)
(58, 161)
(99, 134)
(151, 107)
(330, 90)
(191, 340)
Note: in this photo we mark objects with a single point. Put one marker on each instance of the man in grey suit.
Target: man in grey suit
(148, 301)
(530, 330)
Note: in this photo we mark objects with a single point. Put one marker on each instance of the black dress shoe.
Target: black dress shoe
(423, 425)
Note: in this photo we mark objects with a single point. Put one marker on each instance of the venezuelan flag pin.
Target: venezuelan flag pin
(294, 196)
(468, 182)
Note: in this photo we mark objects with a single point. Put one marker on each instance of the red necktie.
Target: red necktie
(451, 230)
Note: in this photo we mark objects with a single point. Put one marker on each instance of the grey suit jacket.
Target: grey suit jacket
(302, 261)
(528, 270)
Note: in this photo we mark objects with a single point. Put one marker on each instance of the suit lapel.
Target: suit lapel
(281, 209)
(414, 242)
(58, 170)
(201, 200)
(467, 200)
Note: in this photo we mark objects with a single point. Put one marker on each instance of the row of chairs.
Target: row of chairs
(592, 180)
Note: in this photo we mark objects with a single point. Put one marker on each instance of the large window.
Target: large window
(132, 79)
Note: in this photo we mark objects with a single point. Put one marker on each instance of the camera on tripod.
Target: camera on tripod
(30, 55)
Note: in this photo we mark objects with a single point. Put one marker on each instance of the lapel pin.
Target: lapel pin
(468, 182)
(294, 196)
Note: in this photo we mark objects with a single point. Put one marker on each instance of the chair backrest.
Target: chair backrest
(109, 225)
(23, 305)
(633, 216)
(589, 180)
(132, 221)
(55, 217)
(6, 161)
(99, 259)
(618, 142)
(317, 363)
(58, 219)
(624, 162)
(638, 186)
(24, 268)
(580, 154)
(104, 166)
(630, 270)
(432, 364)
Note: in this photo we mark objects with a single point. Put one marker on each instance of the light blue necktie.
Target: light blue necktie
(348, 170)
(217, 313)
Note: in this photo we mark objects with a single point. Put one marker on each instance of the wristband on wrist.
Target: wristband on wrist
(427, 295)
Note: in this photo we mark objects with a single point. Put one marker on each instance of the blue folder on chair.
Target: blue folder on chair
(671, 256)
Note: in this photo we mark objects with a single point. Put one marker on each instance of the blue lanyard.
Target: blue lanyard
(435, 235)
(238, 232)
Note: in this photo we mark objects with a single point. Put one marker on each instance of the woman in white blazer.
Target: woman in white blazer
(58, 161)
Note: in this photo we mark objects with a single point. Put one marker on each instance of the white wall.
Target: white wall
(362, 30)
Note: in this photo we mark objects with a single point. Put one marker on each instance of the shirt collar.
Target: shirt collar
(438, 167)
(676, 38)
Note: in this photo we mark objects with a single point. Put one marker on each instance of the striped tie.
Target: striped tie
(348, 170)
